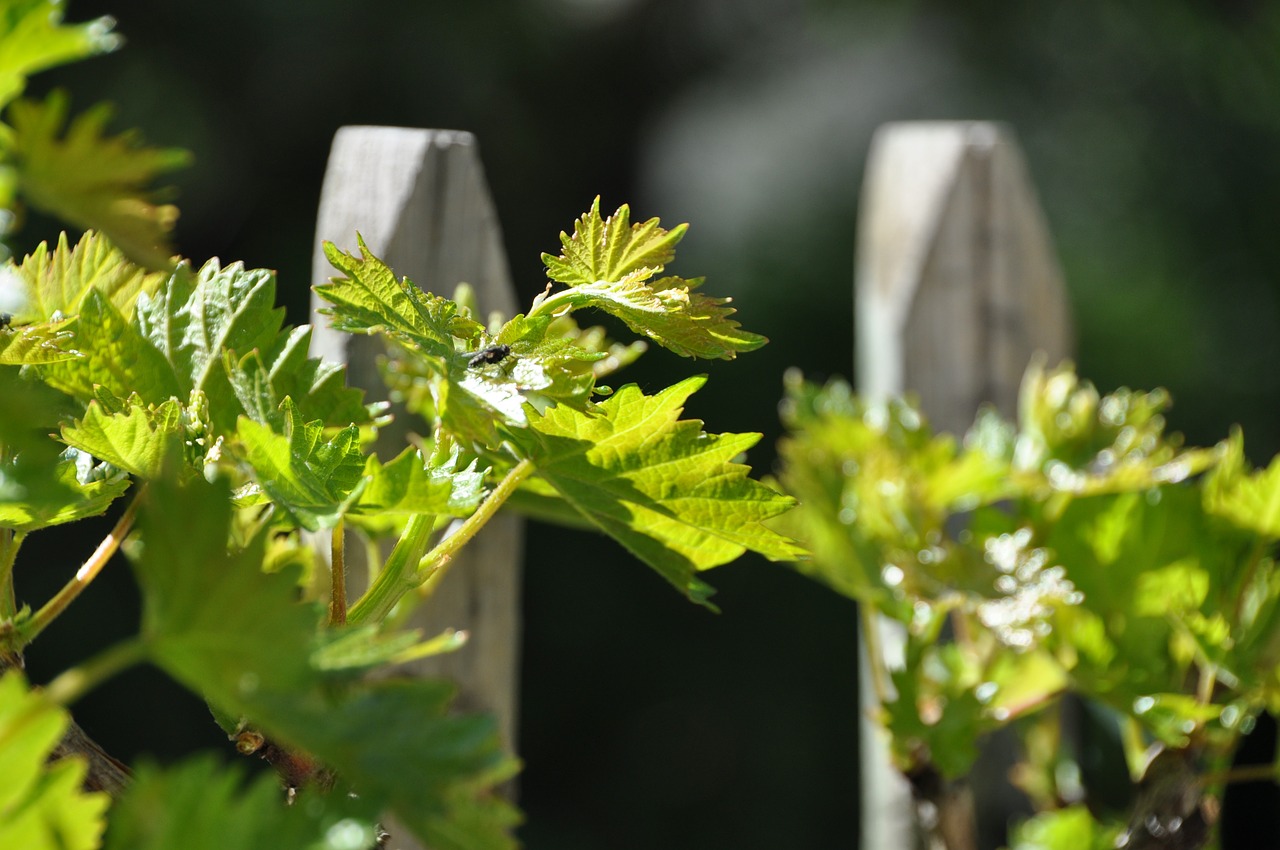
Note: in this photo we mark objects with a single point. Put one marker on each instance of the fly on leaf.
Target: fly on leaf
(488, 356)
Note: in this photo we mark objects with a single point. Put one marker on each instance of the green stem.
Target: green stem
(74, 683)
(397, 575)
(338, 577)
(408, 569)
(10, 543)
(552, 303)
(435, 564)
(29, 629)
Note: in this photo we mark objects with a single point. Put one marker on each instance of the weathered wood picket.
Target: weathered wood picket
(957, 286)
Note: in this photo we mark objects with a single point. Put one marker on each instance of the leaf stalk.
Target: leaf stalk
(29, 629)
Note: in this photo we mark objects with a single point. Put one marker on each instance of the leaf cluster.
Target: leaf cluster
(183, 393)
(1081, 549)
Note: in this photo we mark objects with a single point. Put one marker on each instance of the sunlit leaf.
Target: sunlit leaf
(313, 480)
(609, 264)
(53, 281)
(665, 489)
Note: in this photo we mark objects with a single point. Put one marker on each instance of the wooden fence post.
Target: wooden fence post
(957, 286)
(420, 200)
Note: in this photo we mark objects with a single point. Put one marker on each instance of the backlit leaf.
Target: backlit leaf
(33, 38)
(669, 492)
(92, 180)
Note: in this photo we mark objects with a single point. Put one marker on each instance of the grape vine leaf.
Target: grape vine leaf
(370, 298)
(609, 264)
(312, 480)
(444, 366)
(54, 281)
(136, 439)
(1249, 499)
(216, 622)
(410, 484)
(92, 180)
(115, 355)
(263, 378)
(42, 805)
(202, 805)
(32, 345)
(33, 38)
(667, 491)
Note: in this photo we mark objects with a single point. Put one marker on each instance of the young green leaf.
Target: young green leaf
(92, 180)
(114, 355)
(54, 281)
(313, 480)
(33, 38)
(137, 439)
(410, 484)
(263, 378)
(662, 487)
(609, 264)
(42, 805)
(33, 345)
(370, 298)
(1249, 499)
(612, 249)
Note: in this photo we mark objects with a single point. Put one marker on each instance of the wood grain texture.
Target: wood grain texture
(957, 287)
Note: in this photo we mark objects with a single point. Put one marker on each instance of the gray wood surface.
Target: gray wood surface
(420, 201)
(957, 286)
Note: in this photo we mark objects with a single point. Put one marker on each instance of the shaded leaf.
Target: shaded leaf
(216, 622)
(262, 379)
(37, 497)
(202, 805)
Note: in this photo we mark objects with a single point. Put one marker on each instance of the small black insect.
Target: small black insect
(492, 354)
(5, 319)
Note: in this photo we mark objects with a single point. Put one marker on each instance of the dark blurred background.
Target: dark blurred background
(1151, 128)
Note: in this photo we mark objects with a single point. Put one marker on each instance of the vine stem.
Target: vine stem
(10, 543)
(408, 569)
(74, 683)
(1247, 773)
(338, 577)
(88, 571)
